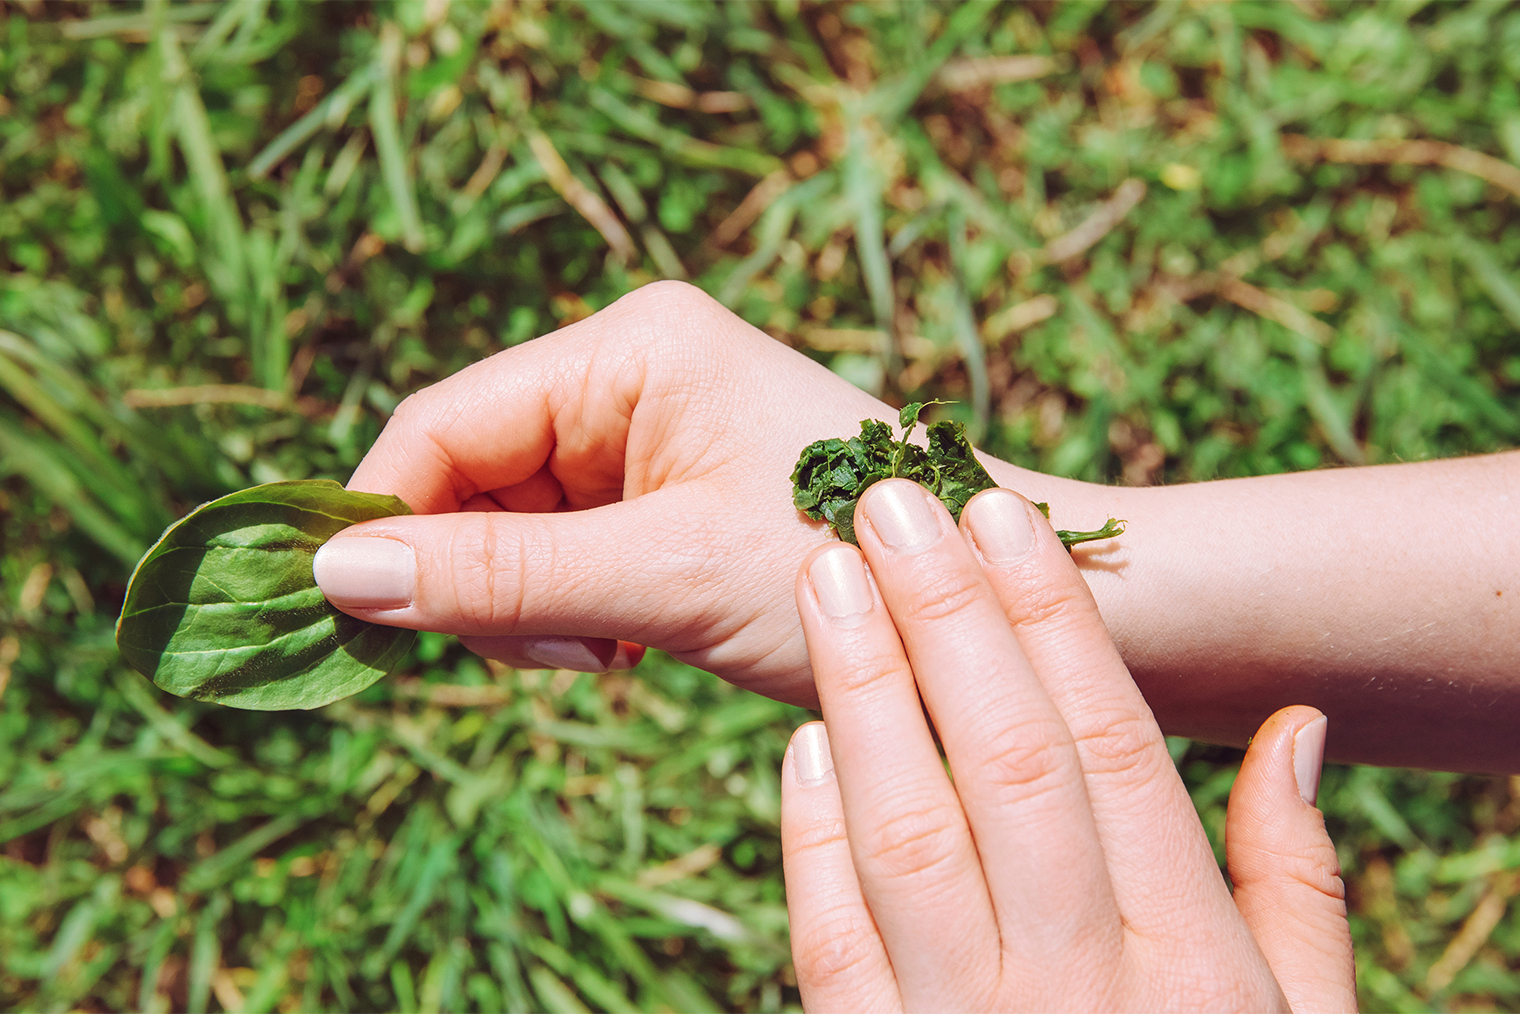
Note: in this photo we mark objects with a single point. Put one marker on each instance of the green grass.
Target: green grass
(233, 236)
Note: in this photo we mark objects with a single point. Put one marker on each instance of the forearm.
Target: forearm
(1385, 596)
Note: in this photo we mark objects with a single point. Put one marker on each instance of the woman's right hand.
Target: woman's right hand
(625, 478)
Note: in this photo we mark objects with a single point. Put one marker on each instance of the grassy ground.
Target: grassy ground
(1138, 243)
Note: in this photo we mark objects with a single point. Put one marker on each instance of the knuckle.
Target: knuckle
(915, 843)
(1206, 989)
(1315, 866)
(426, 412)
(410, 407)
(1024, 761)
(800, 839)
(940, 596)
(1270, 858)
(865, 669)
(674, 305)
(478, 556)
(689, 327)
(424, 420)
(671, 290)
(1125, 745)
(834, 948)
(1042, 602)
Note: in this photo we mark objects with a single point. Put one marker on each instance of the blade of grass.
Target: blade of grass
(525, 214)
(890, 100)
(248, 27)
(591, 914)
(592, 984)
(386, 128)
(967, 338)
(1334, 421)
(1494, 279)
(862, 186)
(203, 160)
(273, 977)
(1422, 152)
(556, 997)
(205, 953)
(330, 112)
(134, 690)
(581, 197)
(1097, 225)
(774, 226)
(942, 186)
(76, 929)
(1384, 816)
(164, 936)
(271, 362)
(47, 467)
(70, 409)
(681, 147)
(122, 24)
(218, 867)
(1461, 385)
(440, 860)
(229, 15)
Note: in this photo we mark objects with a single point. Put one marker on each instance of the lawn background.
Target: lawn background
(1136, 243)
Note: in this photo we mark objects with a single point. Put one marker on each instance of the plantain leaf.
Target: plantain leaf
(224, 607)
(832, 474)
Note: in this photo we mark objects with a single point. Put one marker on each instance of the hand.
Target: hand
(1063, 867)
(626, 477)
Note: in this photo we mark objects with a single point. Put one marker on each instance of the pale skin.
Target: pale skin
(627, 479)
(1064, 867)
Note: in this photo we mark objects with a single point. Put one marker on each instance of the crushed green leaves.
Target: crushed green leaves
(832, 474)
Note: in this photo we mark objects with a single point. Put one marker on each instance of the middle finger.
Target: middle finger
(1016, 768)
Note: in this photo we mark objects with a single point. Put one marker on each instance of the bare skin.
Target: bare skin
(626, 479)
(1064, 867)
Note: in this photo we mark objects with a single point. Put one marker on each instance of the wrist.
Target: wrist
(1074, 504)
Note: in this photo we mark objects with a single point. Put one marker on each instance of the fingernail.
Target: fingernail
(838, 577)
(363, 573)
(811, 760)
(564, 653)
(1000, 526)
(1308, 757)
(901, 514)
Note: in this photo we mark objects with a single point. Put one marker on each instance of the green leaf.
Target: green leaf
(832, 474)
(224, 608)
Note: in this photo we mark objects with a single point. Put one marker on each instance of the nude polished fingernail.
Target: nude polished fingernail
(838, 577)
(812, 762)
(1309, 757)
(361, 573)
(563, 653)
(901, 514)
(1000, 526)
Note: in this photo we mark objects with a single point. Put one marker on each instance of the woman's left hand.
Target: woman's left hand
(1058, 864)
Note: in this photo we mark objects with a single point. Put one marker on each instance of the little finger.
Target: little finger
(840, 961)
(919, 870)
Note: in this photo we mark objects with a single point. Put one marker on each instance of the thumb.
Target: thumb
(1283, 864)
(555, 588)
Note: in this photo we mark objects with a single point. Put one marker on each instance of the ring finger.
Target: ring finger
(1016, 767)
(919, 871)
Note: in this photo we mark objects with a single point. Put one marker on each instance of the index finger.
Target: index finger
(502, 421)
(1137, 798)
